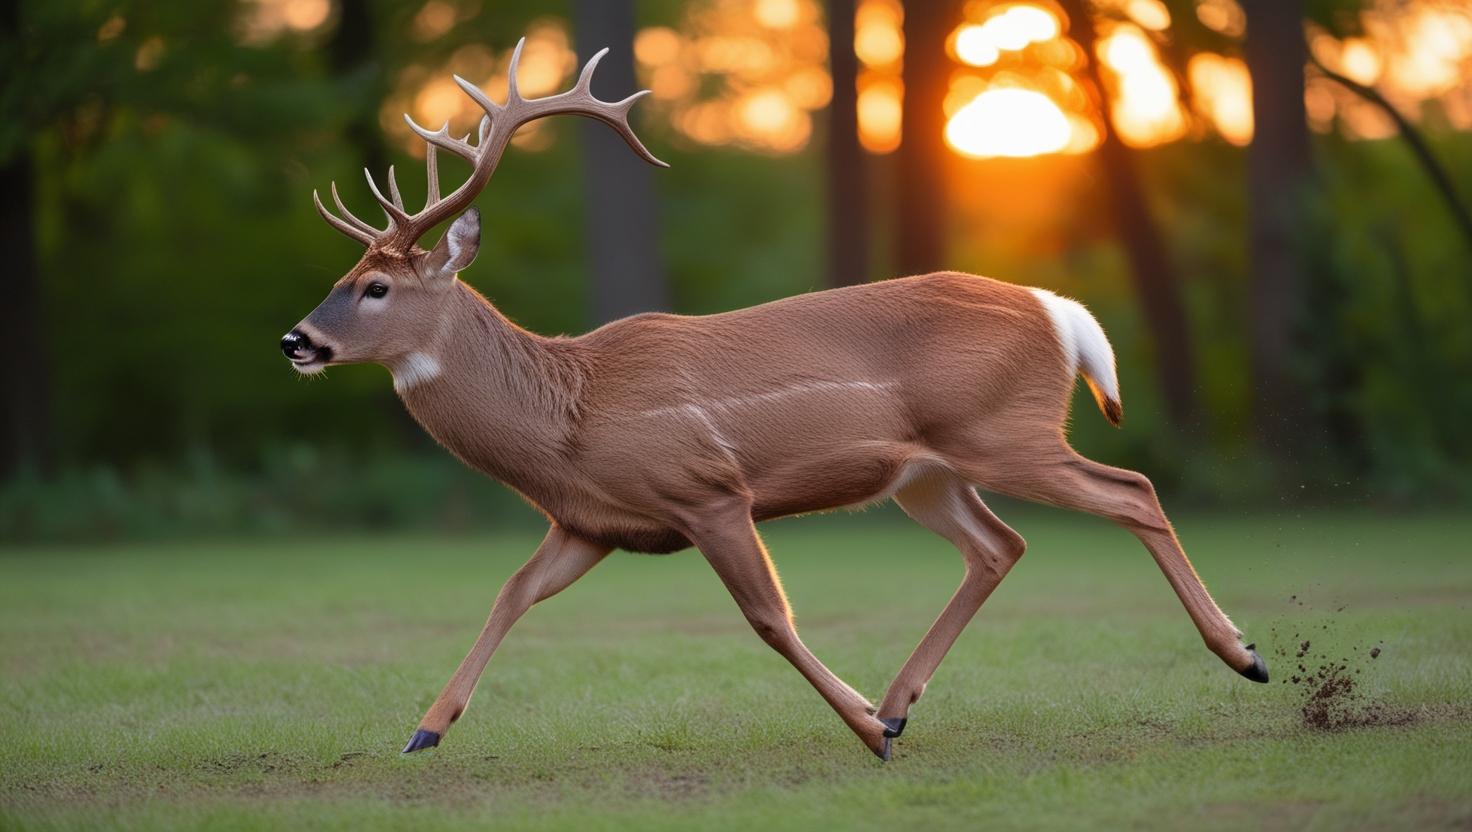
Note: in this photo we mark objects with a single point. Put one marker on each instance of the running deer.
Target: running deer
(660, 432)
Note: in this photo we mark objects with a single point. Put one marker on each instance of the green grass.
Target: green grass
(271, 684)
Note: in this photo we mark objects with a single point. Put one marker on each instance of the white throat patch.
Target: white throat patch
(415, 370)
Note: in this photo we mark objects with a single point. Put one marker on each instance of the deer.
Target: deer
(660, 432)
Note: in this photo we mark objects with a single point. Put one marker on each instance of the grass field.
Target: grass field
(271, 684)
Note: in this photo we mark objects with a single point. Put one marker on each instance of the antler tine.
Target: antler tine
(618, 119)
(347, 229)
(623, 128)
(396, 215)
(393, 189)
(512, 94)
(443, 139)
(493, 134)
(585, 78)
(348, 215)
(432, 173)
(479, 96)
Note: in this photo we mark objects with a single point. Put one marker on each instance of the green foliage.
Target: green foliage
(291, 488)
(1386, 333)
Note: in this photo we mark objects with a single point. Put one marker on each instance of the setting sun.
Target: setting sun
(1009, 122)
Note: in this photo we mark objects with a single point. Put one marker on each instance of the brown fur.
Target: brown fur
(657, 432)
(661, 431)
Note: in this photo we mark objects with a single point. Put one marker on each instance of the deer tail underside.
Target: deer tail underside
(1086, 350)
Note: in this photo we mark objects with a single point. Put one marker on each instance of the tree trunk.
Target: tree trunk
(848, 208)
(1157, 285)
(621, 216)
(353, 49)
(25, 424)
(921, 202)
(1278, 171)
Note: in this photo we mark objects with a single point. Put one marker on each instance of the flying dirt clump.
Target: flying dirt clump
(1332, 700)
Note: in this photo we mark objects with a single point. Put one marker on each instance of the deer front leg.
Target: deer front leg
(561, 559)
(730, 543)
(947, 505)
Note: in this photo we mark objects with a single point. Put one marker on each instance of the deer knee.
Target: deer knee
(773, 627)
(1139, 507)
(994, 553)
(1012, 546)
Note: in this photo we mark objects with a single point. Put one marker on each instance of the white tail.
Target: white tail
(1086, 350)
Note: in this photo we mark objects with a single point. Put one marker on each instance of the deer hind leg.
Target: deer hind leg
(946, 504)
(1061, 477)
(730, 543)
(561, 559)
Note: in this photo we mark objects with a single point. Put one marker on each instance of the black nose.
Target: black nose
(296, 345)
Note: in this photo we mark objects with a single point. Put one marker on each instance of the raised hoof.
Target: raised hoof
(882, 752)
(1258, 672)
(421, 740)
(893, 725)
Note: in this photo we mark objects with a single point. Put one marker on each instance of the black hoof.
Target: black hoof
(421, 740)
(894, 725)
(1258, 672)
(883, 752)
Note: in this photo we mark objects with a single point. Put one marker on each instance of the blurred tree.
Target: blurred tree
(621, 216)
(24, 397)
(920, 206)
(848, 209)
(25, 423)
(1157, 283)
(353, 51)
(1411, 135)
(1279, 171)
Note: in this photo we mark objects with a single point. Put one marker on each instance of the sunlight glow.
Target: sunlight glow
(1009, 122)
(880, 114)
(1413, 54)
(754, 73)
(267, 19)
(1224, 17)
(1146, 102)
(430, 95)
(1222, 90)
(1151, 14)
(878, 39)
(744, 72)
(434, 20)
(1012, 28)
(879, 43)
(778, 14)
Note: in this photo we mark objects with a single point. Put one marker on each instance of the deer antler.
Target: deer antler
(496, 128)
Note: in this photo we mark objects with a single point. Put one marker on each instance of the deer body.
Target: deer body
(660, 432)
(837, 409)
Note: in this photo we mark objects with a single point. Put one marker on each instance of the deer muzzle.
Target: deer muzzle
(298, 347)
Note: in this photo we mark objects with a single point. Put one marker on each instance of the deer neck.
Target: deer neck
(498, 397)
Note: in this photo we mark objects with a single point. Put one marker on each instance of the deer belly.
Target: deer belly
(647, 540)
(820, 485)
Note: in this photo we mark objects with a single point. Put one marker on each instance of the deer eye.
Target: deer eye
(376, 290)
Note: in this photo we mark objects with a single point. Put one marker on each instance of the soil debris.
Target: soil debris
(1332, 700)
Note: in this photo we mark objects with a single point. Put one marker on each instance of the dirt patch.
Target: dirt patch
(1332, 699)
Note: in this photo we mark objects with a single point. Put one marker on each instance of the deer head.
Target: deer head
(389, 306)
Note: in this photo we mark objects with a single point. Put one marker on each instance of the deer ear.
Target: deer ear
(456, 249)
